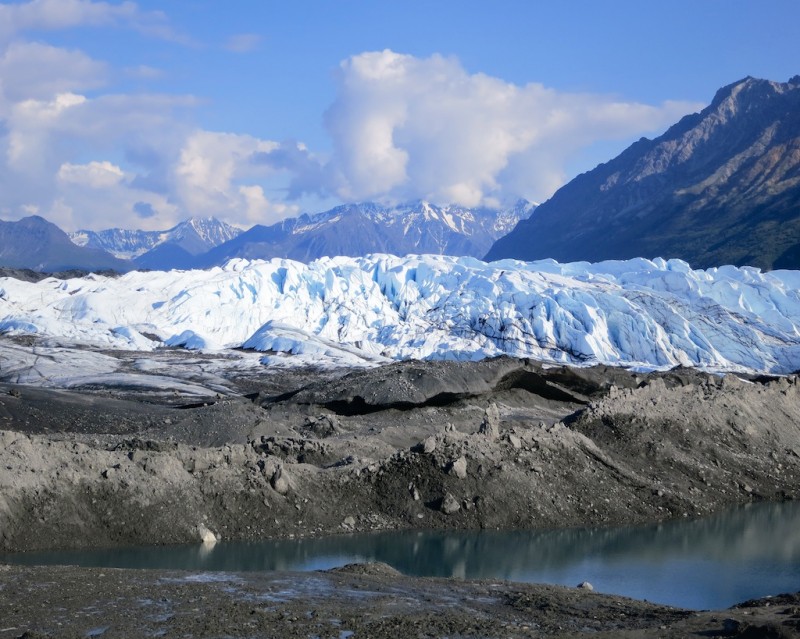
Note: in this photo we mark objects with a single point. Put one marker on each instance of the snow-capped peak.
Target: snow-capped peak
(195, 235)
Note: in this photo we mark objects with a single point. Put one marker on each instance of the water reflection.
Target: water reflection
(708, 563)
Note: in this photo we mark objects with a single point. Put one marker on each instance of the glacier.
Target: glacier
(639, 313)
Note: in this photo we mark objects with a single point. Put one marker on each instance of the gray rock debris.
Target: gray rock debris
(490, 426)
(450, 505)
(323, 426)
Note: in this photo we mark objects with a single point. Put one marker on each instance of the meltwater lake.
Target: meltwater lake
(710, 563)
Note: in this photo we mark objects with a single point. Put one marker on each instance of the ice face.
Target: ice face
(642, 313)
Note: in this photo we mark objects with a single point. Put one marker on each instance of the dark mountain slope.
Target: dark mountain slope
(719, 187)
(36, 244)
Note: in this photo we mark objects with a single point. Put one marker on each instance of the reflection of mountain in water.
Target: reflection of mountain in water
(761, 536)
(763, 532)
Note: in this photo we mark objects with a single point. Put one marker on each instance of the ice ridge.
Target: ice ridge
(636, 313)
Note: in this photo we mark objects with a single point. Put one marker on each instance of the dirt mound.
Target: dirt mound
(376, 568)
(413, 384)
(516, 446)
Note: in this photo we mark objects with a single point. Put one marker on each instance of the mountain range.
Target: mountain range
(358, 229)
(719, 187)
(173, 248)
(353, 230)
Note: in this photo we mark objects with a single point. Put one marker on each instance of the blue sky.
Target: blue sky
(138, 114)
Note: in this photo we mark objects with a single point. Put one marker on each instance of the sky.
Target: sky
(139, 114)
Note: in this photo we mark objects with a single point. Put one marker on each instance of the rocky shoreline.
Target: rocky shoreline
(502, 443)
(365, 600)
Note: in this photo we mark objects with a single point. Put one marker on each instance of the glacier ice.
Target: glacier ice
(637, 313)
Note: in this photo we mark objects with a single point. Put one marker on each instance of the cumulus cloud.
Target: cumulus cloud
(31, 70)
(307, 172)
(407, 127)
(101, 194)
(39, 136)
(44, 143)
(217, 174)
(402, 128)
(95, 175)
(29, 125)
(171, 169)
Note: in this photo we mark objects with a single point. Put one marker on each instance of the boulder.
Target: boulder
(280, 481)
(450, 505)
(429, 445)
(459, 467)
(207, 537)
(490, 426)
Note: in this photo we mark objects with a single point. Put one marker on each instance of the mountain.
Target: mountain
(36, 244)
(719, 187)
(636, 313)
(174, 248)
(359, 229)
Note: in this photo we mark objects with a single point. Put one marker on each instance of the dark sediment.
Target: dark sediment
(502, 443)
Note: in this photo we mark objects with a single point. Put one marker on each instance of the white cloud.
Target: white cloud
(100, 194)
(84, 161)
(144, 72)
(43, 134)
(405, 127)
(95, 175)
(51, 15)
(209, 162)
(402, 128)
(220, 174)
(61, 14)
(43, 144)
(30, 124)
(243, 42)
(259, 210)
(31, 70)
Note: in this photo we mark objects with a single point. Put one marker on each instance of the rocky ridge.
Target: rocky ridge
(719, 187)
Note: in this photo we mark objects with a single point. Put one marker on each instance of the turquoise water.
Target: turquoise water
(707, 563)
